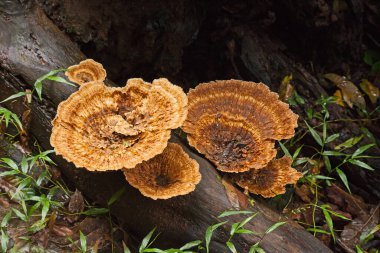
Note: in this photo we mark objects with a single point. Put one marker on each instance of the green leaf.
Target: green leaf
(10, 163)
(323, 177)
(38, 82)
(317, 230)
(60, 80)
(234, 212)
(157, 250)
(245, 221)
(7, 217)
(38, 88)
(190, 245)
(4, 241)
(343, 177)
(332, 137)
(362, 149)
(301, 160)
(24, 165)
(284, 149)
(17, 95)
(125, 248)
(315, 135)
(326, 160)
(45, 208)
(333, 153)
(116, 196)
(83, 242)
(256, 249)
(358, 249)
(210, 230)
(95, 211)
(37, 226)
(20, 214)
(245, 231)
(145, 241)
(329, 222)
(231, 246)
(274, 227)
(349, 143)
(361, 164)
(296, 153)
(9, 173)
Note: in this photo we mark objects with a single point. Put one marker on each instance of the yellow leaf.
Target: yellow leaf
(286, 89)
(339, 98)
(351, 94)
(371, 90)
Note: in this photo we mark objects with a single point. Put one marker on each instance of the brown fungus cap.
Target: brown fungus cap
(271, 180)
(169, 174)
(235, 123)
(85, 72)
(103, 128)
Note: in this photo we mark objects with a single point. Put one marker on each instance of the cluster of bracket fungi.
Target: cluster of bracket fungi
(233, 123)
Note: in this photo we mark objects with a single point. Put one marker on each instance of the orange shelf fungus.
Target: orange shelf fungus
(105, 128)
(169, 174)
(85, 72)
(235, 123)
(271, 180)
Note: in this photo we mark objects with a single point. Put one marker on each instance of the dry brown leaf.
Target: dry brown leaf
(350, 235)
(351, 94)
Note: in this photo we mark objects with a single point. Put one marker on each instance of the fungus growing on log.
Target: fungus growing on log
(169, 174)
(104, 128)
(85, 72)
(235, 123)
(271, 180)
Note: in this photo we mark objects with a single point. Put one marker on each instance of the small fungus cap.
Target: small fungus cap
(104, 128)
(86, 71)
(235, 123)
(271, 180)
(169, 174)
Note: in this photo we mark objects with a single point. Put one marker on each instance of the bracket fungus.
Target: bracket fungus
(270, 180)
(235, 123)
(105, 128)
(169, 174)
(85, 72)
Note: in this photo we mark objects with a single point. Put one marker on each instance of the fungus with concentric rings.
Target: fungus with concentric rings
(105, 128)
(235, 123)
(86, 71)
(271, 180)
(169, 174)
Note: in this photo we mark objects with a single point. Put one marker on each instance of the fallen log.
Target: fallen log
(181, 219)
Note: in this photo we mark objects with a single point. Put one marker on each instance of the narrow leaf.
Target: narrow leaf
(362, 150)
(234, 212)
(315, 135)
(210, 230)
(274, 227)
(361, 164)
(190, 245)
(343, 177)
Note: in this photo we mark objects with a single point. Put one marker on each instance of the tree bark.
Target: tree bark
(30, 46)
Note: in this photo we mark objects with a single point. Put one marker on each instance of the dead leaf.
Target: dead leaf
(349, 203)
(76, 205)
(339, 98)
(371, 90)
(286, 89)
(237, 199)
(351, 233)
(351, 94)
(304, 193)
